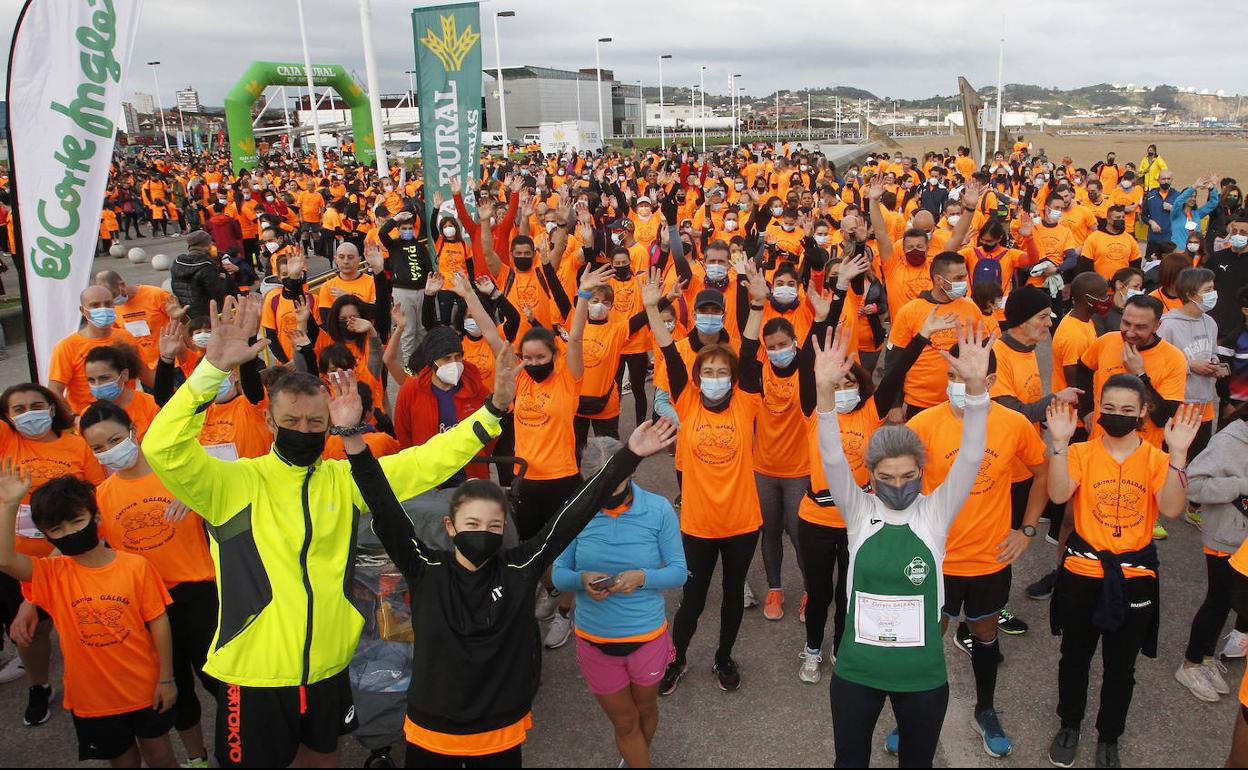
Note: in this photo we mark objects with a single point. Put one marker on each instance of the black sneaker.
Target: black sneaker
(963, 638)
(38, 706)
(1011, 625)
(1064, 748)
(729, 676)
(1043, 588)
(1107, 754)
(671, 678)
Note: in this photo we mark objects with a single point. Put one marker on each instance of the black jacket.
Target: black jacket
(196, 279)
(408, 261)
(1230, 274)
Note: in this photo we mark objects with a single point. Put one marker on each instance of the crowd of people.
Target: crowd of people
(843, 358)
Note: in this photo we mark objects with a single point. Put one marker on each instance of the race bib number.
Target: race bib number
(227, 452)
(888, 621)
(139, 328)
(26, 524)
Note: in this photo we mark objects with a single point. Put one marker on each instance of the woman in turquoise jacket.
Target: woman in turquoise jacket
(1186, 217)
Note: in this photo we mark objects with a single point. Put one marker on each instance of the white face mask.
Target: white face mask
(450, 373)
(847, 400)
(1134, 293)
(471, 327)
(1208, 301)
(777, 211)
(1238, 242)
(717, 272)
(201, 339)
(121, 457)
(449, 232)
(957, 289)
(598, 311)
(1054, 215)
(953, 219)
(1192, 248)
(822, 239)
(787, 227)
(550, 226)
(716, 388)
(957, 394)
(784, 294)
(669, 325)
(730, 225)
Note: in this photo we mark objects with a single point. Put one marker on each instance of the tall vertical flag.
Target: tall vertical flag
(66, 69)
(448, 77)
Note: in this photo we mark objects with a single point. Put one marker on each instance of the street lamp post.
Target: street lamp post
(702, 88)
(411, 88)
(374, 90)
(662, 124)
(163, 129)
(598, 61)
(736, 115)
(502, 103)
(307, 68)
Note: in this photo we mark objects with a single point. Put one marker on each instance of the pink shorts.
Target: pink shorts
(609, 674)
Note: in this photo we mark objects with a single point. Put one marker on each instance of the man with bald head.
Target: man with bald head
(67, 376)
(142, 310)
(351, 279)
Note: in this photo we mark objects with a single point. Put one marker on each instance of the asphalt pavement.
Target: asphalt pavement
(774, 719)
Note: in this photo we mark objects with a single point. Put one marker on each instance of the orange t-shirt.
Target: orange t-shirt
(278, 314)
(628, 304)
(1111, 253)
(543, 419)
(67, 455)
(236, 429)
(479, 353)
(452, 257)
(780, 445)
(1168, 303)
(101, 617)
(1071, 340)
(1115, 504)
(1133, 197)
(984, 521)
(603, 344)
(132, 519)
(1053, 242)
(381, 444)
(471, 745)
(856, 429)
(929, 377)
(310, 204)
(1081, 222)
(144, 316)
(362, 286)
(142, 409)
(716, 452)
(69, 364)
(1165, 365)
(904, 282)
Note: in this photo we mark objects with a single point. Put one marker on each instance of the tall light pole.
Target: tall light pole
(307, 69)
(693, 108)
(662, 123)
(732, 106)
(502, 103)
(702, 88)
(777, 120)
(737, 114)
(641, 123)
(602, 126)
(809, 133)
(163, 129)
(996, 142)
(411, 88)
(374, 89)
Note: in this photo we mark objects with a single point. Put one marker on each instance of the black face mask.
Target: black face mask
(1165, 186)
(292, 288)
(78, 543)
(478, 546)
(1115, 228)
(1118, 425)
(618, 499)
(539, 372)
(523, 264)
(297, 447)
(623, 273)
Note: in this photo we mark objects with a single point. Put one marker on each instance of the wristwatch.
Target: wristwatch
(1028, 530)
(354, 431)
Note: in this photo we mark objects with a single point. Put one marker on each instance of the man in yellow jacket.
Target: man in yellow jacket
(282, 529)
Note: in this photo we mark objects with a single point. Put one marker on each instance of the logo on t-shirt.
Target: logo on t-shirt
(100, 620)
(917, 571)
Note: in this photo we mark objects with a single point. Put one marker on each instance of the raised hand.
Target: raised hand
(14, 482)
(460, 285)
(832, 363)
(359, 325)
(398, 319)
(302, 311)
(1026, 224)
(820, 303)
(851, 269)
(172, 341)
(1062, 422)
(486, 285)
(974, 348)
(345, 408)
(230, 345)
(434, 284)
(1068, 396)
(176, 310)
(652, 437)
(757, 282)
(1182, 427)
(651, 288)
(592, 279)
(506, 367)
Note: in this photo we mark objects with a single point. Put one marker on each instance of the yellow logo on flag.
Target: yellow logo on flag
(452, 48)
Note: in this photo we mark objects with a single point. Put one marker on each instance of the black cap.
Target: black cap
(709, 297)
(1023, 304)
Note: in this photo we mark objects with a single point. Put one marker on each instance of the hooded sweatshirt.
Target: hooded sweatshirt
(1218, 480)
(1198, 339)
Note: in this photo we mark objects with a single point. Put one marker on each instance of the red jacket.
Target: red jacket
(226, 233)
(416, 410)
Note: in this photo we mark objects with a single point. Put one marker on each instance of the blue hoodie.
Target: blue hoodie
(1178, 221)
(645, 537)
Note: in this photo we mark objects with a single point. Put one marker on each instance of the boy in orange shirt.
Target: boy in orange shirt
(109, 611)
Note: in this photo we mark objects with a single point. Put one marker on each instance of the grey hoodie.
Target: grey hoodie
(1198, 339)
(1218, 480)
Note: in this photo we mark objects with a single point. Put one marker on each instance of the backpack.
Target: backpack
(987, 269)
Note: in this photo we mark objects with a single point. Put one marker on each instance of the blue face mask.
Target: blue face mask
(407, 235)
(120, 299)
(224, 390)
(107, 391)
(782, 358)
(102, 317)
(709, 323)
(716, 272)
(715, 388)
(34, 423)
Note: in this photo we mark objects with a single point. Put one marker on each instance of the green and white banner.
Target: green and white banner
(448, 78)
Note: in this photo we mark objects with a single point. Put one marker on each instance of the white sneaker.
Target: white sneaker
(547, 604)
(750, 601)
(626, 388)
(809, 672)
(559, 631)
(1195, 680)
(1214, 670)
(1235, 644)
(12, 671)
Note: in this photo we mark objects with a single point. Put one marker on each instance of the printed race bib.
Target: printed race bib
(227, 452)
(888, 621)
(26, 525)
(139, 328)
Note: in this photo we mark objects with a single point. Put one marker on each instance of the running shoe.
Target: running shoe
(801, 610)
(750, 601)
(1236, 642)
(1107, 754)
(963, 638)
(892, 743)
(1194, 517)
(773, 606)
(1011, 625)
(996, 743)
(14, 670)
(728, 674)
(1194, 679)
(38, 706)
(1159, 533)
(626, 388)
(809, 672)
(671, 677)
(1214, 671)
(1050, 539)
(547, 604)
(1043, 588)
(1064, 748)
(559, 631)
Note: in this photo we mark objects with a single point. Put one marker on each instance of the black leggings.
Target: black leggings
(418, 757)
(193, 622)
(856, 708)
(1202, 642)
(1203, 434)
(506, 447)
(541, 499)
(701, 554)
(609, 427)
(163, 224)
(638, 364)
(825, 554)
(131, 219)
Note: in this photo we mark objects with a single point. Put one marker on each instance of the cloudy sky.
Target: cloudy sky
(894, 48)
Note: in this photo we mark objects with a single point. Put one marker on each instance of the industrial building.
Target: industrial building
(537, 95)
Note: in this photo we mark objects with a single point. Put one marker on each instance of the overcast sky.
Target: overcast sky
(894, 48)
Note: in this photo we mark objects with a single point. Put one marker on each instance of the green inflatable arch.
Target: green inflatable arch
(262, 74)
